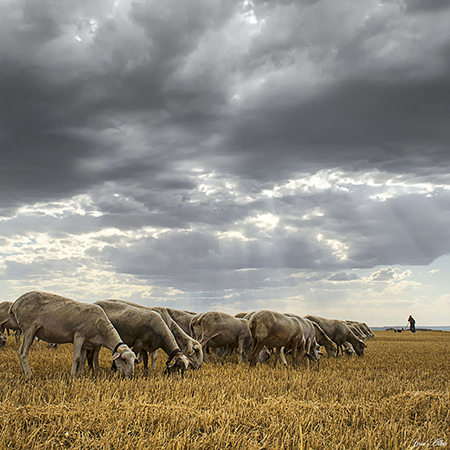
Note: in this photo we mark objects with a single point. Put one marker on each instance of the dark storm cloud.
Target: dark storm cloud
(55, 114)
(37, 155)
(426, 5)
(140, 71)
(381, 112)
(361, 115)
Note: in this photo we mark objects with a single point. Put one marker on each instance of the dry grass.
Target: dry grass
(394, 397)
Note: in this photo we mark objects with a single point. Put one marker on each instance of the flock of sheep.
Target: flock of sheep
(132, 332)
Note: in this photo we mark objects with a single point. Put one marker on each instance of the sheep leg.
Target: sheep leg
(276, 355)
(78, 342)
(27, 340)
(92, 358)
(140, 353)
(95, 363)
(255, 352)
(153, 359)
(225, 353)
(294, 354)
(205, 351)
(241, 348)
(143, 356)
(282, 356)
(83, 355)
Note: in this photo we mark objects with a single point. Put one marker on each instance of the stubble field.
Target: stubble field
(396, 397)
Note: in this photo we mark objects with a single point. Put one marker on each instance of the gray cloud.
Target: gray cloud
(344, 277)
(415, 6)
(385, 274)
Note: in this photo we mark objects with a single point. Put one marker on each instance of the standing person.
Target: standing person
(412, 324)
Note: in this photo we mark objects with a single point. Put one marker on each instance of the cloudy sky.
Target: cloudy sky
(229, 155)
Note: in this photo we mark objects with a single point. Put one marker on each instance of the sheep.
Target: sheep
(144, 330)
(309, 331)
(220, 330)
(339, 333)
(273, 329)
(61, 320)
(189, 346)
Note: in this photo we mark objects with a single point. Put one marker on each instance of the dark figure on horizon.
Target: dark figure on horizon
(412, 324)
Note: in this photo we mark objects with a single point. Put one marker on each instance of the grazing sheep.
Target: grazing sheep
(273, 329)
(367, 329)
(339, 332)
(220, 330)
(309, 331)
(357, 330)
(362, 327)
(60, 320)
(145, 331)
(188, 345)
(323, 340)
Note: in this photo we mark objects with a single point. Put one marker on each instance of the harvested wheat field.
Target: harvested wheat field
(397, 396)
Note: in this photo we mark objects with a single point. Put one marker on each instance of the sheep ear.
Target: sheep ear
(115, 356)
(171, 363)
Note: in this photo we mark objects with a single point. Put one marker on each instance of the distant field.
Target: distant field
(397, 396)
